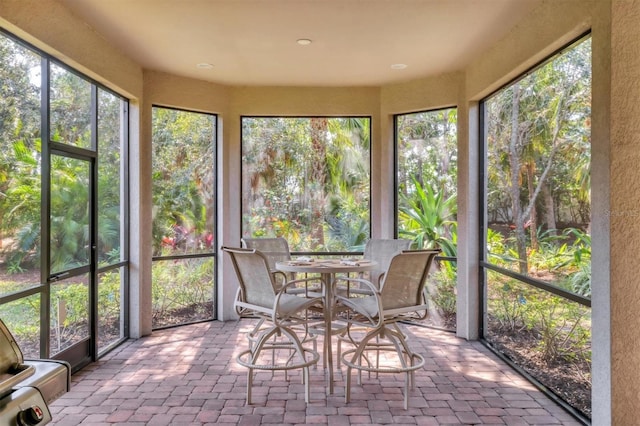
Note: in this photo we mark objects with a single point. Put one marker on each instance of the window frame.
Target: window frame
(213, 253)
(49, 147)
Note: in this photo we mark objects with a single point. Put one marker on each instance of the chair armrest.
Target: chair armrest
(302, 302)
(356, 305)
(318, 284)
(369, 287)
(276, 273)
(279, 279)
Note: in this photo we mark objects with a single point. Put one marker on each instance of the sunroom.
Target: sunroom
(504, 133)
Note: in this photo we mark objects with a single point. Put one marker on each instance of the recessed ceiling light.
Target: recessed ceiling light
(204, 66)
(303, 41)
(398, 66)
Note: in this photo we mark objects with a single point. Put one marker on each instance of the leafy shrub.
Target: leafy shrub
(443, 292)
(562, 328)
(181, 285)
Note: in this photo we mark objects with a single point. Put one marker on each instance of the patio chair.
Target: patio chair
(281, 315)
(379, 250)
(275, 250)
(399, 298)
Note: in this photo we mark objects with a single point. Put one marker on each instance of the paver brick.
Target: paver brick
(461, 383)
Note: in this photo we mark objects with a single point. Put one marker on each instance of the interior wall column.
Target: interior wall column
(140, 214)
(468, 300)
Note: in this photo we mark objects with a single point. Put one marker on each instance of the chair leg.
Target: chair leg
(298, 356)
(298, 347)
(306, 380)
(406, 390)
(359, 352)
(347, 390)
(396, 331)
(254, 356)
(249, 385)
(402, 348)
(408, 360)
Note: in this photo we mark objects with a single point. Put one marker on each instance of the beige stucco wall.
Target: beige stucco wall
(548, 28)
(48, 26)
(625, 211)
(178, 92)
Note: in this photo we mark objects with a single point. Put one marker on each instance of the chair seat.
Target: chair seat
(290, 304)
(367, 305)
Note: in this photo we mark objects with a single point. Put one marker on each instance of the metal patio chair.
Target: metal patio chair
(281, 317)
(400, 297)
(275, 249)
(381, 250)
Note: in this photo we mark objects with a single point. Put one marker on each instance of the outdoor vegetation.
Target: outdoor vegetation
(22, 163)
(183, 216)
(308, 180)
(538, 215)
(426, 146)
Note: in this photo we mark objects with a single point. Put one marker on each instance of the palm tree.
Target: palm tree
(318, 173)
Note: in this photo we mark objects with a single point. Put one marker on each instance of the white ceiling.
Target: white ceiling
(253, 42)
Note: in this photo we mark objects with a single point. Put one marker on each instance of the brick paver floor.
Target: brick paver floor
(188, 376)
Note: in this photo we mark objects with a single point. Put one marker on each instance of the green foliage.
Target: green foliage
(183, 181)
(21, 166)
(15, 268)
(500, 251)
(443, 291)
(21, 159)
(307, 179)
(428, 218)
(427, 150)
(507, 304)
(181, 285)
(109, 297)
(563, 260)
(22, 317)
(70, 212)
(563, 327)
(538, 153)
(580, 280)
(74, 299)
(579, 262)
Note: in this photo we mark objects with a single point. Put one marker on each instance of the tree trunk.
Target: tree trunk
(514, 163)
(316, 187)
(550, 210)
(533, 216)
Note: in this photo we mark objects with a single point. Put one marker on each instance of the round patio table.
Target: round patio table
(327, 269)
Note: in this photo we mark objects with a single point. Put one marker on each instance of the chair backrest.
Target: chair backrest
(405, 278)
(274, 249)
(255, 279)
(381, 250)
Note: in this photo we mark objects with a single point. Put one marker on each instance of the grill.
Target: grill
(27, 386)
